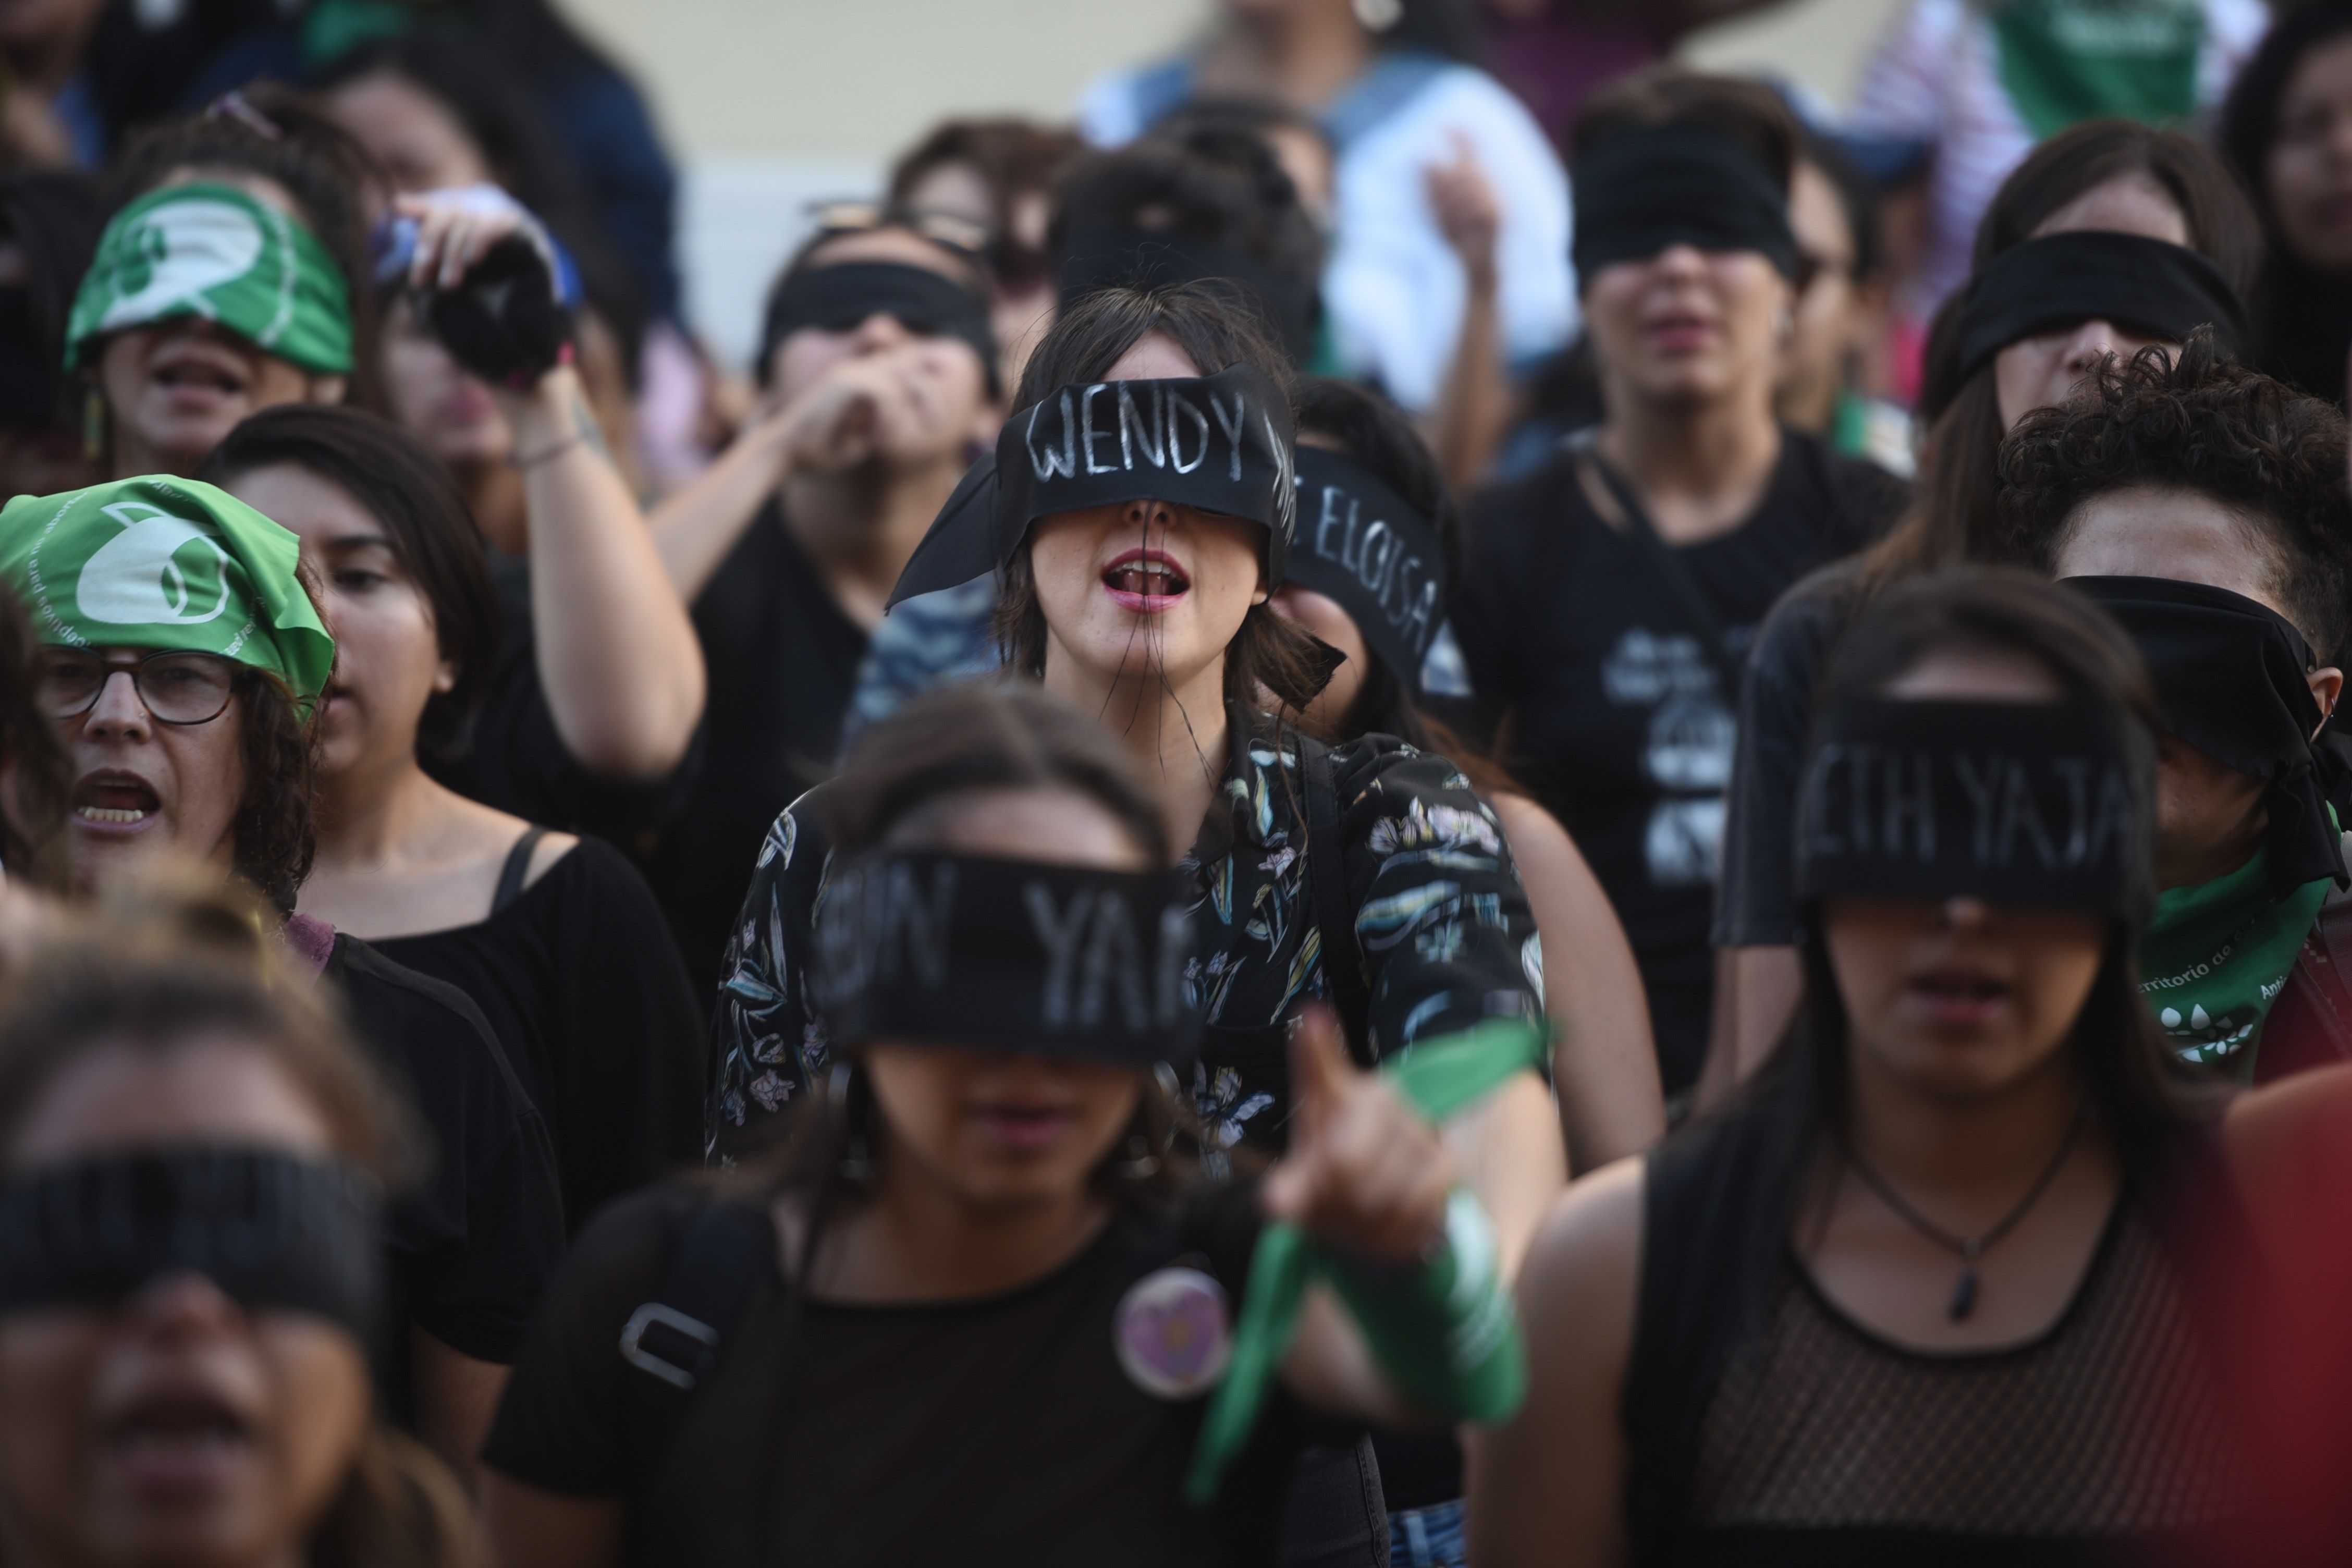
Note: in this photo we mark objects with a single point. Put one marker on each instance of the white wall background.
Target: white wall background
(770, 105)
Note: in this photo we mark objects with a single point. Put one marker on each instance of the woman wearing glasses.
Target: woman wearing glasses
(878, 369)
(184, 665)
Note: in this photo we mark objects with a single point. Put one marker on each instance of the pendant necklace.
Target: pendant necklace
(1970, 1248)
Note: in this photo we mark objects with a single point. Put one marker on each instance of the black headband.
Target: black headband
(1043, 960)
(271, 1229)
(837, 298)
(2035, 804)
(2230, 676)
(1220, 443)
(1114, 257)
(2153, 286)
(1364, 546)
(1643, 190)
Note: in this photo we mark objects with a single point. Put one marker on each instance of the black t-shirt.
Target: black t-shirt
(514, 759)
(1616, 716)
(1757, 903)
(783, 660)
(582, 987)
(473, 1245)
(1001, 1430)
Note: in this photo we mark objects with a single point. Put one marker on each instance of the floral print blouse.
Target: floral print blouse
(1443, 926)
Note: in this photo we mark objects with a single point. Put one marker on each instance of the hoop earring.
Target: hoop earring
(856, 1166)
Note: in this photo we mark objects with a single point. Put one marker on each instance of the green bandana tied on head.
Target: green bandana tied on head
(213, 251)
(2218, 954)
(168, 564)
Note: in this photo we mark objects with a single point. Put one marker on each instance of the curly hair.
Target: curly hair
(2271, 454)
(274, 834)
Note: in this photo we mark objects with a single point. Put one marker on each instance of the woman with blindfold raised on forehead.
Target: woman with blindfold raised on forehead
(192, 1156)
(986, 1226)
(2109, 237)
(1934, 1288)
(879, 371)
(1140, 507)
(1610, 595)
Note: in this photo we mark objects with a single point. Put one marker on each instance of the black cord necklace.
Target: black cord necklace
(1970, 1248)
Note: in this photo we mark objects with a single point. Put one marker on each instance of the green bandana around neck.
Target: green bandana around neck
(2216, 957)
(167, 564)
(1437, 1077)
(211, 250)
(2065, 61)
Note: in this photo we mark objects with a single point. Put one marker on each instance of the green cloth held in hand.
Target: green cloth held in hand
(169, 565)
(211, 250)
(2218, 954)
(1436, 1078)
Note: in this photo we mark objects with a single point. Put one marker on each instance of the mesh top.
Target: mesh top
(2108, 1426)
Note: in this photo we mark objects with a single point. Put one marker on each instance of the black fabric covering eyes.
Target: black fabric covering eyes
(1367, 548)
(1113, 258)
(2230, 676)
(1219, 443)
(271, 1229)
(2042, 805)
(1011, 955)
(1643, 190)
(837, 298)
(2151, 286)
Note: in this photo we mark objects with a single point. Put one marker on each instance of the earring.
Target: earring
(856, 1166)
(1378, 15)
(1138, 1163)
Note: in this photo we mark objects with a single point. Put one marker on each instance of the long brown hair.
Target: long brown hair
(1267, 654)
(1953, 517)
(158, 966)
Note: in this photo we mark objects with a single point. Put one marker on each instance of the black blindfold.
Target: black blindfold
(837, 298)
(2060, 280)
(272, 1230)
(1642, 191)
(2040, 805)
(1105, 257)
(1219, 443)
(2230, 676)
(1367, 548)
(1010, 955)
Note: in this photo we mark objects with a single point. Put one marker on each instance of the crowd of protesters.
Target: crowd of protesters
(1363, 813)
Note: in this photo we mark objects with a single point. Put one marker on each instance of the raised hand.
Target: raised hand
(1364, 1173)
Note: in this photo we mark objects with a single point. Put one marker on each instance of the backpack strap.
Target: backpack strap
(1335, 913)
(673, 1343)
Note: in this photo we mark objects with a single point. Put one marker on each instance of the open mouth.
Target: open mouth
(1147, 580)
(115, 800)
(198, 374)
(1680, 331)
(1959, 995)
(182, 1441)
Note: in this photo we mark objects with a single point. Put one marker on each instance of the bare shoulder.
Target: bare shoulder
(1536, 835)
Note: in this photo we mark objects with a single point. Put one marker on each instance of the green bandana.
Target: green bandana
(168, 564)
(2065, 61)
(2218, 954)
(213, 251)
(1437, 1079)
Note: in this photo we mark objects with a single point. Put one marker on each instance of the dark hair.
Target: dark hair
(275, 835)
(433, 535)
(1953, 516)
(988, 735)
(1378, 435)
(1218, 183)
(1748, 111)
(32, 817)
(1013, 158)
(1856, 196)
(2134, 1081)
(2272, 455)
(1268, 653)
(1447, 28)
(320, 165)
(162, 966)
(54, 217)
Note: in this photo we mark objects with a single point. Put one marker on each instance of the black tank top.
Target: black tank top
(1767, 1427)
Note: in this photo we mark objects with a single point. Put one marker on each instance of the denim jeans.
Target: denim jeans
(1428, 1537)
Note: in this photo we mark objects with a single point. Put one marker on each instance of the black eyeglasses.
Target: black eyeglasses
(177, 687)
